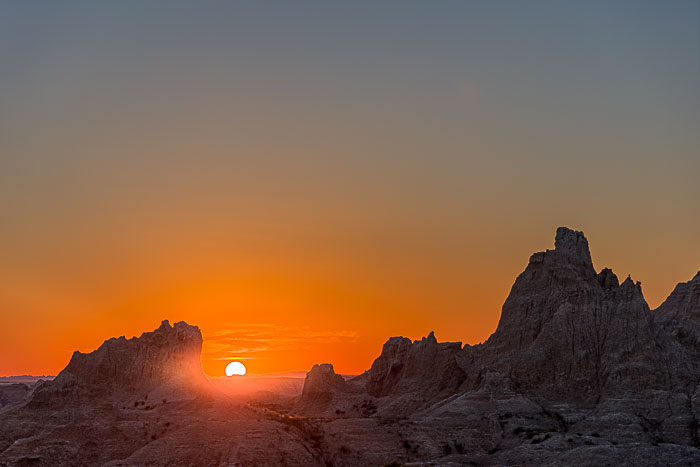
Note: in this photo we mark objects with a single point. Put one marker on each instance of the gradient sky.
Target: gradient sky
(305, 179)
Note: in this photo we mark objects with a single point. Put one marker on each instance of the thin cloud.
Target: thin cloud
(260, 338)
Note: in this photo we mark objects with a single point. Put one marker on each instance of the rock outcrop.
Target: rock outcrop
(322, 379)
(167, 359)
(13, 393)
(321, 385)
(569, 332)
(415, 373)
(578, 363)
(679, 314)
(578, 372)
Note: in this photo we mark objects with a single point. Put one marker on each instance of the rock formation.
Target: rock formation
(167, 359)
(575, 352)
(572, 333)
(414, 374)
(578, 372)
(320, 387)
(13, 393)
(679, 314)
(322, 379)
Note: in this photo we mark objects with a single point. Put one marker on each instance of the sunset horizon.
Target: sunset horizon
(369, 233)
(251, 343)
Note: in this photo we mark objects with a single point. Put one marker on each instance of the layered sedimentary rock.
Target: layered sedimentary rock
(579, 372)
(109, 403)
(679, 314)
(167, 359)
(13, 393)
(567, 333)
(574, 333)
(578, 362)
(322, 379)
(415, 373)
(320, 387)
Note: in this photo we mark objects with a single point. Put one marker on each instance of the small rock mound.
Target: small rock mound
(320, 386)
(321, 379)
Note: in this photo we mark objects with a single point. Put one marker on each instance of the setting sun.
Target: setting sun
(362, 233)
(235, 369)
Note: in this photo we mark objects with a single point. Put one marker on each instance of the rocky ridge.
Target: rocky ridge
(166, 360)
(579, 371)
(575, 351)
(414, 374)
(572, 334)
(679, 314)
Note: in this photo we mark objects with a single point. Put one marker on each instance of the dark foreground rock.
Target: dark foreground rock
(578, 372)
(13, 393)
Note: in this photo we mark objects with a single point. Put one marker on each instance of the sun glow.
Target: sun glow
(235, 369)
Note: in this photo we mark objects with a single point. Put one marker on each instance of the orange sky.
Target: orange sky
(305, 183)
(285, 311)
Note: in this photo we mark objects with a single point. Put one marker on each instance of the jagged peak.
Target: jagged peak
(323, 368)
(567, 238)
(570, 249)
(607, 279)
(573, 242)
(397, 340)
(429, 338)
(630, 283)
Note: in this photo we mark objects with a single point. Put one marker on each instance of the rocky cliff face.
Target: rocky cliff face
(320, 388)
(415, 373)
(322, 379)
(13, 393)
(579, 372)
(567, 335)
(166, 358)
(572, 332)
(109, 403)
(680, 314)
(424, 366)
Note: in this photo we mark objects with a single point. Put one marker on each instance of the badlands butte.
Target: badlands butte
(578, 372)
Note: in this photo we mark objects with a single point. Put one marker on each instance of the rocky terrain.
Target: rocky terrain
(13, 393)
(578, 372)
(15, 389)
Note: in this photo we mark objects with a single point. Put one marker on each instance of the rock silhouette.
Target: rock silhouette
(415, 374)
(579, 371)
(572, 333)
(166, 360)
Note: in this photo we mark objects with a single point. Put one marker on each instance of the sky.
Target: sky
(303, 180)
